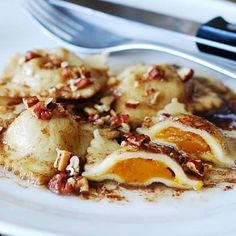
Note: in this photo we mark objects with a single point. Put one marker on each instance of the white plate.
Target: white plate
(34, 211)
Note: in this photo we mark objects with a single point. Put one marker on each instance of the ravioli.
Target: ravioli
(139, 166)
(66, 122)
(30, 143)
(193, 135)
(144, 90)
(54, 73)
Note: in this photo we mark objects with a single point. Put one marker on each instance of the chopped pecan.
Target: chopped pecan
(93, 118)
(132, 104)
(73, 72)
(74, 166)
(196, 166)
(81, 184)
(41, 111)
(117, 121)
(62, 160)
(90, 111)
(58, 184)
(124, 127)
(185, 73)
(31, 55)
(52, 62)
(84, 73)
(156, 73)
(79, 83)
(30, 101)
(68, 72)
(136, 140)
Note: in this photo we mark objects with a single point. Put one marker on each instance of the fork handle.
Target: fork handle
(218, 30)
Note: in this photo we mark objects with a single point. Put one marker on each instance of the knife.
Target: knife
(216, 36)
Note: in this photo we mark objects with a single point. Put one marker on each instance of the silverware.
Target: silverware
(88, 38)
(217, 36)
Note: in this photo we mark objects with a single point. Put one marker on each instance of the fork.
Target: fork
(88, 38)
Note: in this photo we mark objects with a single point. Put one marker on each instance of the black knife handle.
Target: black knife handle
(218, 30)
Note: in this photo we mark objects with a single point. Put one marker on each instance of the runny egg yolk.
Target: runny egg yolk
(140, 170)
(185, 141)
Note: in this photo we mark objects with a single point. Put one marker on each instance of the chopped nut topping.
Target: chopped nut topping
(156, 73)
(185, 73)
(132, 104)
(93, 118)
(112, 81)
(64, 64)
(62, 160)
(147, 122)
(196, 166)
(68, 72)
(62, 185)
(31, 55)
(52, 62)
(117, 121)
(74, 72)
(105, 104)
(124, 127)
(59, 184)
(80, 83)
(90, 111)
(31, 101)
(136, 140)
(41, 111)
(79, 77)
(74, 166)
(81, 184)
